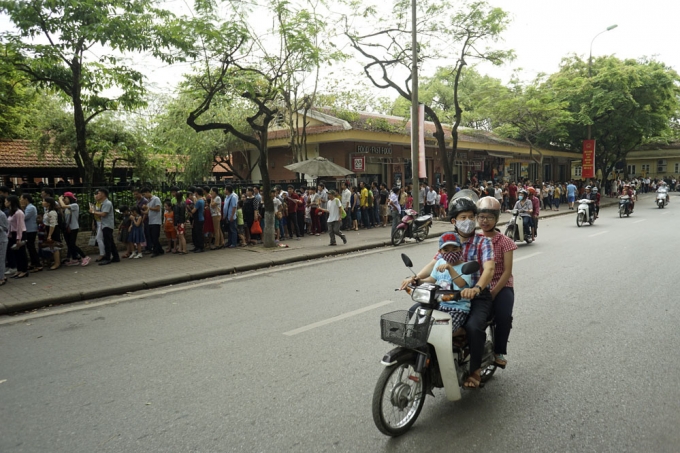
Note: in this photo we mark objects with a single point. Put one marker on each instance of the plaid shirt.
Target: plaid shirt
(479, 248)
(501, 245)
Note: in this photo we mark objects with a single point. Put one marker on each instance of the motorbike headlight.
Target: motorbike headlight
(421, 295)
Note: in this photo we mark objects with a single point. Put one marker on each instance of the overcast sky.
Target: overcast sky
(542, 32)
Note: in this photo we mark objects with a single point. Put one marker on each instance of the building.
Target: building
(377, 148)
(655, 162)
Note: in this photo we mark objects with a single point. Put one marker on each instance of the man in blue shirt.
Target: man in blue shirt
(198, 215)
(229, 216)
(571, 194)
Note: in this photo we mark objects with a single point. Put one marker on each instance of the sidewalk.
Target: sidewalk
(73, 284)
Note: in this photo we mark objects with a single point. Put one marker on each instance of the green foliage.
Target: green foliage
(73, 48)
(627, 103)
(17, 100)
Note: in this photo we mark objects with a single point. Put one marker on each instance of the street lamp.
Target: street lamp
(590, 58)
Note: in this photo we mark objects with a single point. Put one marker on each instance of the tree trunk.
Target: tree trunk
(446, 163)
(88, 169)
(268, 234)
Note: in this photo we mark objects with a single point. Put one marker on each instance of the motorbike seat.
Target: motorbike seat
(422, 220)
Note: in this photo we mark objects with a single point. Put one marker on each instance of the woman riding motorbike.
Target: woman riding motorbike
(502, 291)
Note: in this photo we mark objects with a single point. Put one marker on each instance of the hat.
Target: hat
(448, 239)
(70, 195)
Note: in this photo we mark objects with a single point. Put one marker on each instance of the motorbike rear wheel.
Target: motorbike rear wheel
(422, 234)
(398, 399)
(620, 213)
(579, 220)
(398, 236)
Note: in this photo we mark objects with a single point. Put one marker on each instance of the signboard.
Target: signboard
(374, 149)
(588, 163)
(358, 164)
(478, 165)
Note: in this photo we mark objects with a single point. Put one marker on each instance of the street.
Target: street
(286, 358)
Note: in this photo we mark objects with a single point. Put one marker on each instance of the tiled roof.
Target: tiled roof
(19, 154)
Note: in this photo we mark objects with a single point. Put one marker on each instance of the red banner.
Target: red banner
(588, 163)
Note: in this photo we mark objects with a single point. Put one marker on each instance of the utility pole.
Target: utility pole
(415, 139)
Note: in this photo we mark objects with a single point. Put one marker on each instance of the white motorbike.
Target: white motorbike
(425, 357)
(662, 199)
(515, 228)
(583, 213)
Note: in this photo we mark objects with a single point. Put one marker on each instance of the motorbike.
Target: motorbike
(426, 357)
(583, 212)
(661, 199)
(412, 226)
(624, 206)
(515, 228)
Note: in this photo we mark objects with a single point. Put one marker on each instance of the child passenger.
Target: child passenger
(448, 276)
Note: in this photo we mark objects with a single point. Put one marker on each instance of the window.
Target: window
(645, 168)
(631, 170)
(677, 168)
(577, 171)
(661, 166)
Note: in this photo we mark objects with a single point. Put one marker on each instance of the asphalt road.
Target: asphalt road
(286, 359)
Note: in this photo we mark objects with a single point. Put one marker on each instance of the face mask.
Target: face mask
(521, 197)
(452, 257)
(466, 226)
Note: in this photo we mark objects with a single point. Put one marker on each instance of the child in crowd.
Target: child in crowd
(169, 226)
(240, 225)
(136, 232)
(124, 231)
(448, 276)
(409, 201)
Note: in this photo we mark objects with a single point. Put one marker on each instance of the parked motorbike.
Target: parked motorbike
(412, 226)
(515, 228)
(661, 199)
(583, 212)
(425, 357)
(624, 206)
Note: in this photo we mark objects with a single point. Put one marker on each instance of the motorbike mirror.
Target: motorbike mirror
(406, 260)
(470, 267)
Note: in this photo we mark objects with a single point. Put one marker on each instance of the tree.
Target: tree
(440, 27)
(54, 43)
(17, 100)
(244, 65)
(532, 113)
(628, 103)
(477, 95)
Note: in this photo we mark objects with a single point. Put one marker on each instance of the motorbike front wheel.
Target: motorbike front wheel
(579, 220)
(620, 213)
(510, 232)
(422, 234)
(398, 236)
(398, 398)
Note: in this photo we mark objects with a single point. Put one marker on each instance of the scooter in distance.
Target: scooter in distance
(662, 199)
(583, 213)
(515, 228)
(624, 206)
(412, 226)
(425, 357)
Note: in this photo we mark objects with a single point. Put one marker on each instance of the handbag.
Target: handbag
(343, 213)
(93, 240)
(256, 228)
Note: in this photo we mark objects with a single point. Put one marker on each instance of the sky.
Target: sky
(541, 33)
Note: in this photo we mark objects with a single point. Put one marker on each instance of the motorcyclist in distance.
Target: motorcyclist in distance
(627, 190)
(525, 208)
(596, 197)
(663, 188)
(588, 195)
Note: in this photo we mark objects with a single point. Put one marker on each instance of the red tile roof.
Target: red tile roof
(19, 154)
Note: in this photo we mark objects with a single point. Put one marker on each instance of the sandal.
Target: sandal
(474, 381)
(3, 282)
(500, 361)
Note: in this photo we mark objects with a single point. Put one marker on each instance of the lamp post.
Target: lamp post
(415, 139)
(590, 59)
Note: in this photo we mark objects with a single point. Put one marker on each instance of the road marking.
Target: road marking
(641, 220)
(349, 314)
(665, 212)
(527, 256)
(597, 234)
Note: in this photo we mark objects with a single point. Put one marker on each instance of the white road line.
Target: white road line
(665, 212)
(597, 234)
(641, 220)
(525, 257)
(349, 314)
